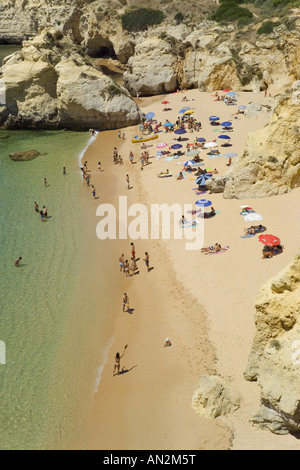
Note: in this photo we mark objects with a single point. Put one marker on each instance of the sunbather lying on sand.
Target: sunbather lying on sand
(180, 176)
(214, 248)
(164, 172)
(254, 229)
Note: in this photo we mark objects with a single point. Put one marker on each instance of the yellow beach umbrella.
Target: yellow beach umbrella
(189, 111)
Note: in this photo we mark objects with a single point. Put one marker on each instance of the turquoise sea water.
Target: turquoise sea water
(37, 297)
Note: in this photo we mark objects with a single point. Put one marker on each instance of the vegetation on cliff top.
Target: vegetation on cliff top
(141, 18)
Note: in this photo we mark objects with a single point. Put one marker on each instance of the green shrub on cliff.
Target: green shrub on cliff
(229, 10)
(267, 27)
(141, 18)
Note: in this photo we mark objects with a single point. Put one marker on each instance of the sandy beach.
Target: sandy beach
(204, 304)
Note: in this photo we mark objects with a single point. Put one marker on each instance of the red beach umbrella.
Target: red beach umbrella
(269, 240)
(226, 89)
(165, 102)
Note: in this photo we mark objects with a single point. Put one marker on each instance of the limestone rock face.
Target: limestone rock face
(48, 84)
(270, 164)
(213, 397)
(216, 183)
(152, 69)
(275, 357)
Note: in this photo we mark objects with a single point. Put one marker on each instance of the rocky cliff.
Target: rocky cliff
(270, 164)
(49, 84)
(194, 53)
(275, 358)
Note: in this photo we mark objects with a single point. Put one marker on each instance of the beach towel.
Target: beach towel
(168, 159)
(194, 212)
(164, 176)
(223, 250)
(249, 235)
(189, 223)
(202, 214)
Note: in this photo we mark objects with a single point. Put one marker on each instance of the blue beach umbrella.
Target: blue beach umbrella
(180, 131)
(201, 139)
(230, 93)
(201, 180)
(150, 115)
(226, 124)
(182, 111)
(214, 118)
(203, 203)
(168, 124)
(224, 136)
(176, 146)
(186, 108)
(230, 155)
(188, 163)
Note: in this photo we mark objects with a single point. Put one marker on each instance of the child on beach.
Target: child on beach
(125, 301)
(17, 262)
(146, 259)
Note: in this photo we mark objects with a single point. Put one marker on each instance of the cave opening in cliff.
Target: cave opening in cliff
(104, 52)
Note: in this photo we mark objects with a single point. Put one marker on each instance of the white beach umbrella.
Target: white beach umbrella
(210, 145)
(252, 217)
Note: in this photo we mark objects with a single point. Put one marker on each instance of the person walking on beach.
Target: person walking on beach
(125, 302)
(17, 262)
(117, 361)
(132, 250)
(146, 259)
(42, 216)
(45, 182)
(133, 266)
(122, 262)
(126, 268)
(45, 212)
(36, 207)
(64, 170)
(93, 191)
(99, 166)
(127, 182)
(131, 157)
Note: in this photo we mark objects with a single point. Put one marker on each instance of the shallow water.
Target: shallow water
(37, 297)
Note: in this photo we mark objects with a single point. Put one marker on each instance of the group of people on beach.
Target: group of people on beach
(43, 213)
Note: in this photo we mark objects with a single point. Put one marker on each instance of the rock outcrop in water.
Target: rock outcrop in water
(48, 84)
(275, 357)
(270, 164)
(24, 156)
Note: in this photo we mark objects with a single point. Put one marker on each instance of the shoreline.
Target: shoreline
(119, 406)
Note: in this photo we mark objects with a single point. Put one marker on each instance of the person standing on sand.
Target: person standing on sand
(131, 157)
(64, 170)
(117, 362)
(125, 302)
(122, 262)
(93, 191)
(36, 207)
(45, 182)
(99, 166)
(146, 259)
(126, 268)
(127, 182)
(17, 262)
(45, 212)
(132, 250)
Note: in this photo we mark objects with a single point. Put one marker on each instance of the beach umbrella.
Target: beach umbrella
(180, 131)
(230, 155)
(214, 118)
(226, 89)
(203, 203)
(253, 217)
(176, 146)
(201, 139)
(189, 111)
(150, 115)
(159, 146)
(191, 153)
(226, 124)
(196, 164)
(201, 180)
(168, 124)
(186, 108)
(188, 163)
(242, 106)
(269, 240)
(230, 93)
(224, 136)
(210, 145)
(165, 102)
